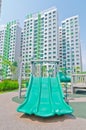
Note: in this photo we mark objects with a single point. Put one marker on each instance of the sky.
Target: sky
(18, 9)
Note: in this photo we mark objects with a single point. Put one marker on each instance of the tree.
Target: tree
(77, 69)
(27, 70)
(63, 70)
(4, 63)
(14, 70)
(1, 73)
(44, 70)
(50, 72)
(13, 67)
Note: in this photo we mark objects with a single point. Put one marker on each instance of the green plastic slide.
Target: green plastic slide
(44, 98)
(64, 78)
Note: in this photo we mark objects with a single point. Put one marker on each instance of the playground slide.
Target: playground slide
(44, 98)
(64, 78)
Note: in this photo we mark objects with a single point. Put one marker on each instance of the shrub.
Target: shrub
(7, 85)
(25, 83)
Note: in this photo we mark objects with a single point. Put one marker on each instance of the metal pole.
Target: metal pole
(20, 77)
(72, 77)
(55, 69)
(32, 64)
(41, 70)
(65, 83)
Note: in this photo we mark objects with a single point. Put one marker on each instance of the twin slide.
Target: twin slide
(44, 98)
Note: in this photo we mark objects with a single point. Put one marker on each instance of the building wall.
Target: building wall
(60, 48)
(40, 38)
(71, 46)
(2, 37)
(11, 45)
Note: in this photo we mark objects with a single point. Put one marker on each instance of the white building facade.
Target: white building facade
(40, 37)
(69, 45)
(10, 41)
(2, 37)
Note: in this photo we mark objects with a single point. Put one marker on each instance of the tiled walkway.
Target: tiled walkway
(11, 120)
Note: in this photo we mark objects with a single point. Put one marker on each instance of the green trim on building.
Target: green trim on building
(38, 37)
(29, 16)
(6, 49)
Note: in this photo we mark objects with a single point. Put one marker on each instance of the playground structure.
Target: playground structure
(78, 81)
(44, 96)
(64, 78)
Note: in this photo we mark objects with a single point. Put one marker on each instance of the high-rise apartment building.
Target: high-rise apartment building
(69, 45)
(2, 37)
(10, 41)
(40, 37)
(60, 50)
(39, 40)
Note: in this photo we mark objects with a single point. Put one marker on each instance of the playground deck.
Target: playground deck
(11, 120)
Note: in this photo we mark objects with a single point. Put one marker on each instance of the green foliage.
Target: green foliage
(6, 85)
(84, 72)
(27, 68)
(44, 70)
(77, 69)
(63, 69)
(1, 72)
(24, 83)
(13, 67)
(15, 64)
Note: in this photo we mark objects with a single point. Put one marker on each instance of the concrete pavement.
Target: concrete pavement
(12, 120)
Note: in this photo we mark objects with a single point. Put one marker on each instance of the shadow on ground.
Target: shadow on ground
(48, 119)
(18, 100)
(78, 107)
(81, 92)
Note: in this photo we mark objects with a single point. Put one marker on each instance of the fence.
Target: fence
(78, 81)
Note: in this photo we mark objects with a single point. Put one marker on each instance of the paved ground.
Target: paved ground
(11, 120)
(83, 99)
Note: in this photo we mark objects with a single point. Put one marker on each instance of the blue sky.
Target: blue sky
(18, 9)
